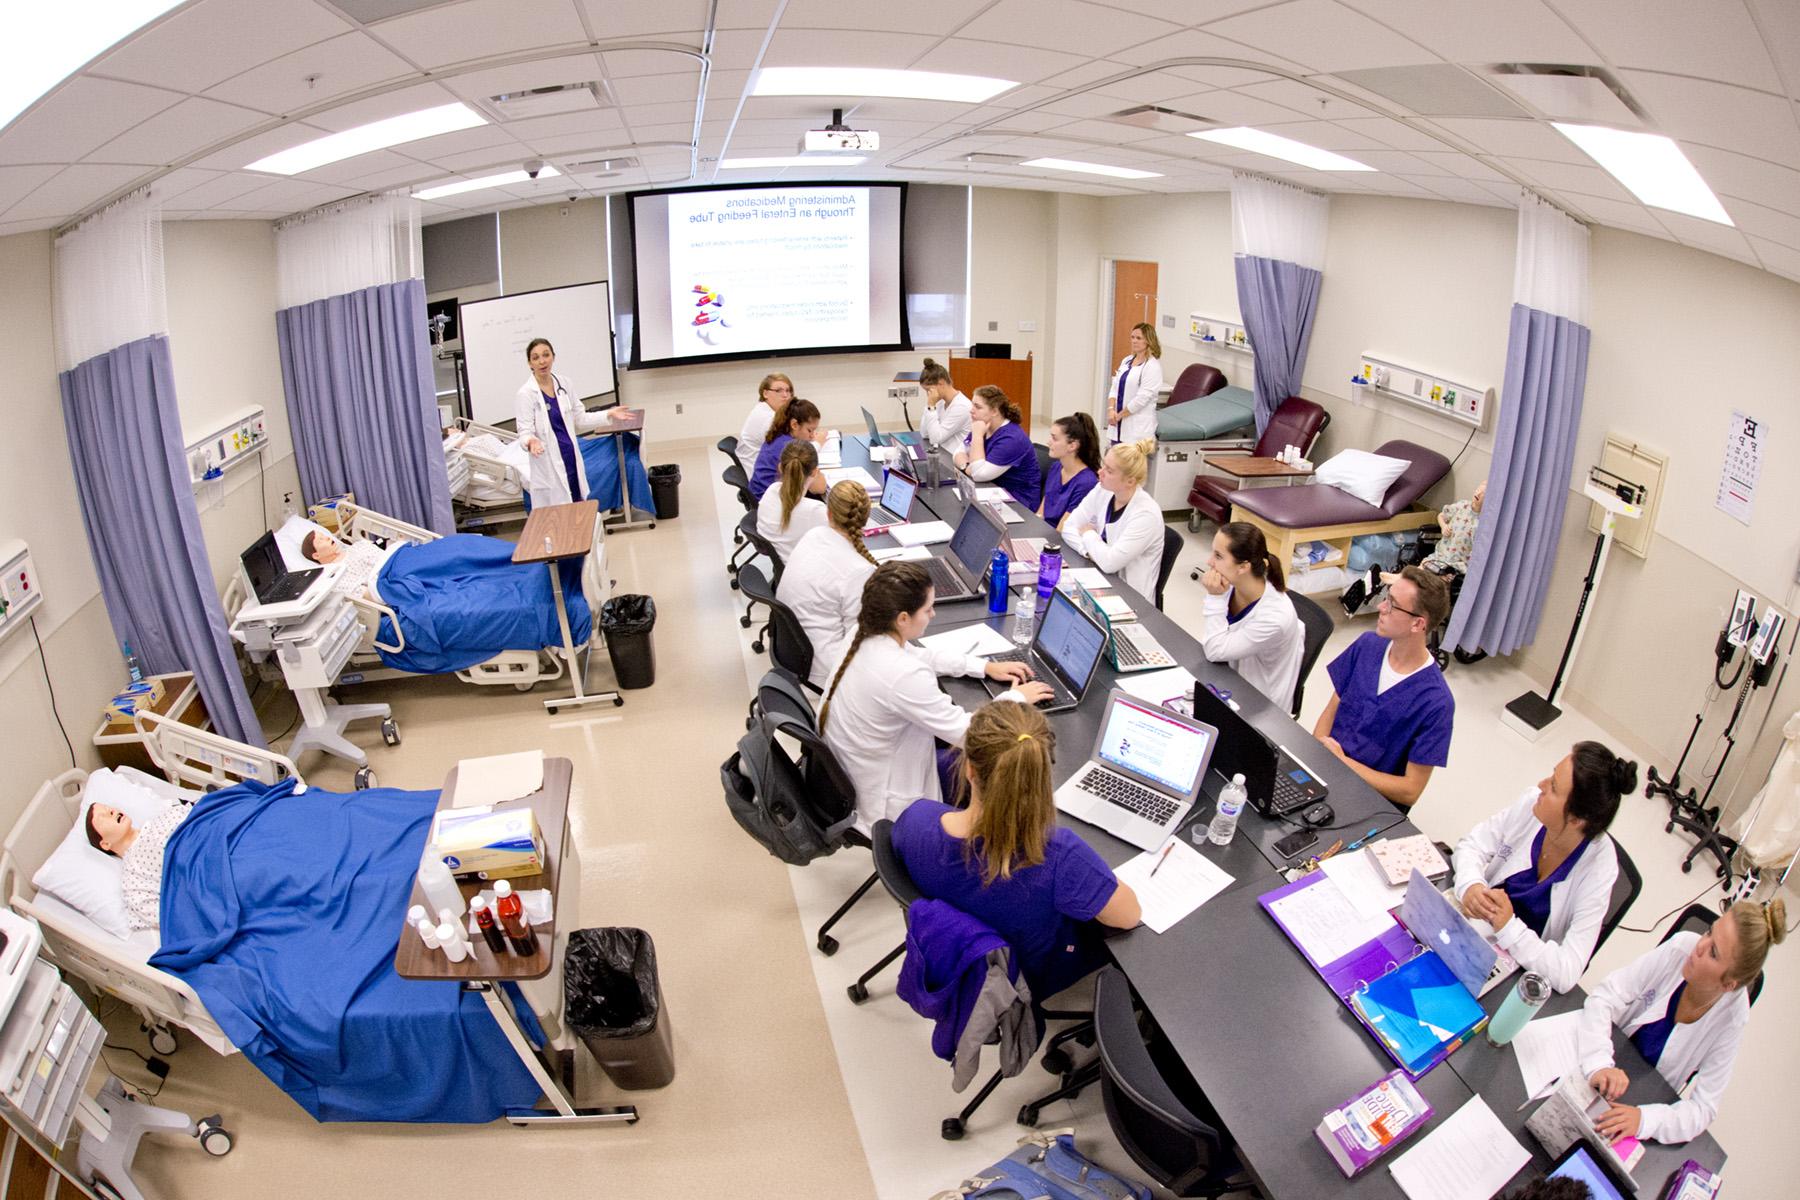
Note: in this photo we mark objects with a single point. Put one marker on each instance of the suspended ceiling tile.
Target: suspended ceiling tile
(8, 228)
(221, 190)
(1589, 180)
(1238, 108)
(1714, 40)
(1718, 114)
(1398, 162)
(844, 48)
(209, 42)
(1516, 31)
(351, 171)
(672, 132)
(1451, 188)
(1308, 101)
(1782, 260)
(1085, 104)
(627, 64)
(381, 107)
(1323, 134)
(73, 190)
(1323, 35)
(338, 67)
(179, 131)
(1751, 178)
(1035, 121)
(1780, 24)
(1152, 87)
(1618, 214)
(18, 182)
(1768, 223)
(548, 72)
(497, 138)
(289, 196)
(664, 114)
(1090, 73)
(1460, 165)
(1390, 132)
(1514, 139)
(1212, 78)
(260, 145)
(80, 117)
(478, 29)
(1077, 28)
(1707, 235)
(938, 17)
(1107, 133)
(409, 176)
(683, 86)
(610, 19)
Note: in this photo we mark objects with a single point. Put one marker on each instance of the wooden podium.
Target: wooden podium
(1010, 375)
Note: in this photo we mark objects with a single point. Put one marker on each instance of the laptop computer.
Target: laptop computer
(1278, 782)
(1063, 653)
(266, 571)
(1130, 646)
(895, 507)
(1601, 1176)
(1430, 917)
(878, 438)
(962, 573)
(1144, 774)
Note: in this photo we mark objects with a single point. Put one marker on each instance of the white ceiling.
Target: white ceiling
(220, 83)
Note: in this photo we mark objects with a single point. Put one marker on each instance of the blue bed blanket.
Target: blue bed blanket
(283, 912)
(461, 600)
(601, 459)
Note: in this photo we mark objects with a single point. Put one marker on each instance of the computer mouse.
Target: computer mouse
(1319, 814)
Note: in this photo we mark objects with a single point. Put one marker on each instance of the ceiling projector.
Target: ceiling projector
(840, 139)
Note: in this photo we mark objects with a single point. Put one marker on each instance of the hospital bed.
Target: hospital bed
(487, 481)
(1186, 432)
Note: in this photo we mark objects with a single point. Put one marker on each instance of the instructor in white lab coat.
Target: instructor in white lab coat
(1131, 400)
(549, 419)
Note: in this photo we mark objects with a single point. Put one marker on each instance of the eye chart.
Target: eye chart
(1743, 463)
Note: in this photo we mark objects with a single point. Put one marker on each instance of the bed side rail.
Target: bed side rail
(354, 522)
(196, 758)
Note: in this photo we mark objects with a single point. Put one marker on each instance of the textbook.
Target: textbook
(1373, 1122)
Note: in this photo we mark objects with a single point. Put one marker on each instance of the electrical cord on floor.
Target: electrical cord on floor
(162, 1075)
(1465, 447)
(45, 663)
(1678, 908)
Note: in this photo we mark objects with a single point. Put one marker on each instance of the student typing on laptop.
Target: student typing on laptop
(1118, 524)
(1005, 861)
(823, 582)
(792, 507)
(1390, 713)
(1250, 623)
(945, 422)
(1541, 871)
(885, 711)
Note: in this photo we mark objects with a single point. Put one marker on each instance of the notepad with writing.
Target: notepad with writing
(1397, 857)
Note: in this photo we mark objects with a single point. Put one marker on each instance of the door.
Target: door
(1133, 301)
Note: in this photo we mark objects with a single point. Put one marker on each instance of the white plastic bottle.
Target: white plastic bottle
(1025, 622)
(1231, 805)
(450, 943)
(427, 933)
(439, 885)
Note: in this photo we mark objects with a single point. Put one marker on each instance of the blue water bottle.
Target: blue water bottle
(1049, 571)
(999, 576)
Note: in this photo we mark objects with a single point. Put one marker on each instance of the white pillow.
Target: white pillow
(1365, 476)
(87, 879)
(292, 533)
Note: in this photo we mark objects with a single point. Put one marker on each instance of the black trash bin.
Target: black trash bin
(613, 1001)
(665, 489)
(627, 621)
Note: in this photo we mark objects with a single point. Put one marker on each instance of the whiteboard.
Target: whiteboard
(577, 320)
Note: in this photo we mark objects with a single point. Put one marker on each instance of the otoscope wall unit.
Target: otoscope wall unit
(1459, 401)
(20, 595)
(1212, 331)
(224, 445)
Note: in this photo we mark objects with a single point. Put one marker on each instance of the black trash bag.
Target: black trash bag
(609, 983)
(666, 473)
(665, 490)
(628, 614)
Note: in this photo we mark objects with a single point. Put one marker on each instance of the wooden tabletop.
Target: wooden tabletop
(628, 420)
(1250, 466)
(569, 529)
(551, 803)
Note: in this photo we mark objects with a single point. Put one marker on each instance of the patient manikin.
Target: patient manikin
(140, 855)
(361, 561)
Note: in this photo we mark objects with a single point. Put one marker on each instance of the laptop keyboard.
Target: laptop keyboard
(1130, 654)
(1131, 797)
(291, 587)
(942, 577)
(881, 516)
(1024, 656)
(1287, 795)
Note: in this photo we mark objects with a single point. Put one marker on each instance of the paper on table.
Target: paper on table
(487, 781)
(1361, 881)
(1184, 882)
(991, 495)
(900, 553)
(837, 475)
(970, 639)
(1324, 923)
(1007, 515)
(921, 533)
(1469, 1156)
(831, 453)
(1158, 687)
(1548, 1048)
(1088, 577)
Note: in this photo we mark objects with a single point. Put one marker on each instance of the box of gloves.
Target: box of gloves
(136, 698)
(489, 843)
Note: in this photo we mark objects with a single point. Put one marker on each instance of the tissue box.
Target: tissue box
(325, 512)
(488, 844)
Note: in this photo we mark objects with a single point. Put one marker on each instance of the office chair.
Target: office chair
(761, 547)
(1160, 1118)
(1171, 550)
(727, 446)
(779, 694)
(1625, 890)
(1316, 626)
(734, 478)
(757, 590)
(1296, 422)
(1698, 918)
(1044, 460)
(1195, 380)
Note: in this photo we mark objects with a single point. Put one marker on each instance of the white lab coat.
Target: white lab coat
(1637, 994)
(1140, 399)
(823, 585)
(946, 423)
(752, 435)
(809, 514)
(548, 483)
(1265, 646)
(1500, 847)
(1132, 545)
(883, 718)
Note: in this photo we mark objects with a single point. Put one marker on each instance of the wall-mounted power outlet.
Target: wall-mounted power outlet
(678, 410)
(993, 327)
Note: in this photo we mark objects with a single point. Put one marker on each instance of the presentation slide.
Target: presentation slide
(739, 272)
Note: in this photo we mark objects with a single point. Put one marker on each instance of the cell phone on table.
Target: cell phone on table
(1296, 844)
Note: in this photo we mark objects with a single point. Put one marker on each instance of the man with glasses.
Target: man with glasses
(1390, 713)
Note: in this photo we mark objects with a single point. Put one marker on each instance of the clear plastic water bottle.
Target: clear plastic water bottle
(999, 577)
(132, 666)
(1025, 623)
(1225, 820)
(1049, 571)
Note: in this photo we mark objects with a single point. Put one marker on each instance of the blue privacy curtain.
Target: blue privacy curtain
(1278, 245)
(355, 360)
(1534, 446)
(131, 472)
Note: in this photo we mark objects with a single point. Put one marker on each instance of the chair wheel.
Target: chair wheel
(827, 944)
(214, 1138)
(1056, 1062)
(1687, 864)
(1669, 827)
(744, 620)
(857, 993)
(618, 702)
(952, 1129)
(1028, 1116)
(551, 709)
(756, 647)
(163, 1040)
(734, 583)
(390, 732)
(365, 778)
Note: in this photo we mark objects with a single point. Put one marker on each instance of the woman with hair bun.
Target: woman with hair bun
(1250, 622)
(1541, 872)
(1684, 1005)
(1074, 466)
(945, 422)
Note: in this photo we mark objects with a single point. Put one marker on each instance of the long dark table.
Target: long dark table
(1257, 1028)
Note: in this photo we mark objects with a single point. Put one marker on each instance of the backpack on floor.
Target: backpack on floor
(1046, 1166)
(780, 802)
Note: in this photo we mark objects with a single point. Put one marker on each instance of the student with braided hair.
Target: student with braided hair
(1005, 861)
(823, 581)
(791, 509)
(885, 712)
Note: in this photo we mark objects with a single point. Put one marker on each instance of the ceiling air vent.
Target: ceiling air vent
(994, 160)
(1582, 94)
(1154, 116)
(548, 101)
(587, 165)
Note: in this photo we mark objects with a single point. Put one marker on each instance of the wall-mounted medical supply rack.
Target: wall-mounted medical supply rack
(1214, 331)
(226, 444)
(1458, 401)
(20, 595)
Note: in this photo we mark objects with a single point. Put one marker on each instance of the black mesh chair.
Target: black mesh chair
(789, 646)
(734, 478)
(728, 446)
(1316, 627)
(761, 546)
(757, 590)
(1625, 890)
(1044, 460)
(1698, 918)
(1171, 550)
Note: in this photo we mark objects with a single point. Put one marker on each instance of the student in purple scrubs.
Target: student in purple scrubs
(797, 419)
(999, 450)
(1075, 466)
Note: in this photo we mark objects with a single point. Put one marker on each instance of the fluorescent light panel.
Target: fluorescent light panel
(377, 135)
(1259, 141)
(1087, 168)
(791, 160)
(1652, 168)
(45, 44)
(486, 181)
(876, 81)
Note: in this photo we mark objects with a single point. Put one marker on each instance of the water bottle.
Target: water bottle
(1025, 623)
(1225, 820)
(132, 666)
(1049, 571)
(1520, 1005)
(931, 466)
(999, 571)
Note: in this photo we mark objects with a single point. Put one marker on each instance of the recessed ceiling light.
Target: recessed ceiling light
(1258, 141)
(1651, 166)
(875, 81)
(1087, 168)
(791, 160)
(43, 46)
(377, 135)
(486, 181)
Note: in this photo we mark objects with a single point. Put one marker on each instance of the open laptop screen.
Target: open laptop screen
(262, 563)
(1579, 1162)
(1070, 642)
(897, 494)
(1145, 740)
(975, 540)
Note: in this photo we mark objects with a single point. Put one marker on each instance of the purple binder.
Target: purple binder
(1366, 963)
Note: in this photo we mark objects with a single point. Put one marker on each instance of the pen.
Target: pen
(1365, 837)
(1160, 859)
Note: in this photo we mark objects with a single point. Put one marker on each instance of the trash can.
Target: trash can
(665, 490)
(627, 621)
(613, 1001)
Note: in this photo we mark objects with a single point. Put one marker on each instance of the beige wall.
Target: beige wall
(1011, 278)
(1076, 375)
(552, 245)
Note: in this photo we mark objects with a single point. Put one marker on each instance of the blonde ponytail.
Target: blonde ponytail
(798, 461)
(1009, 749)
(847, 508)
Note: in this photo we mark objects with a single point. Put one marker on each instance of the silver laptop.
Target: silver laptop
(1145, 773)
(896, 503)
(1430, 917)
(877, 438)
(1063, 653)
